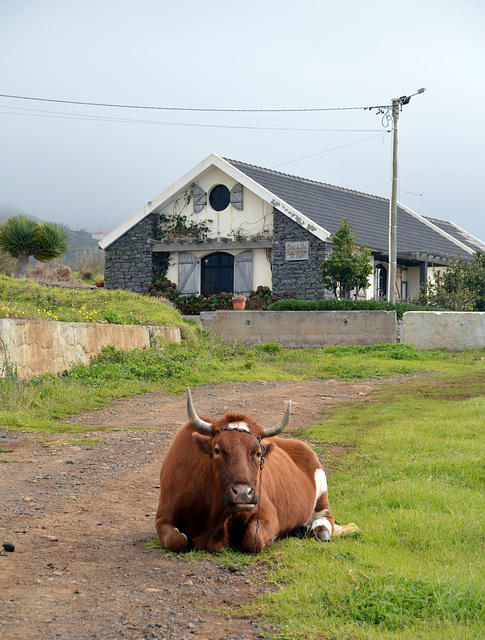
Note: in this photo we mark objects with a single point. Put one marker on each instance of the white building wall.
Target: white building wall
(261, 273)
(256, 217)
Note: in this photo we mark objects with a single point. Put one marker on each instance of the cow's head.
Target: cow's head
(234, 443)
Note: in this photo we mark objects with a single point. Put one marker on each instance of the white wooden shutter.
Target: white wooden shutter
(189, 274)
(199, 199)
(237, 196)
(243, 272)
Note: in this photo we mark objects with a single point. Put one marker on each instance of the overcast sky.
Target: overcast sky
(94, 167)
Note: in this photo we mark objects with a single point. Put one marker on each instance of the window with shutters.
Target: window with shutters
(219, 197)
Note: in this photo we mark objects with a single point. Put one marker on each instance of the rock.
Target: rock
(8, 546)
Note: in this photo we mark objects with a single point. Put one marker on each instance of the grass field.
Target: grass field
(412, 478)
(413, 481)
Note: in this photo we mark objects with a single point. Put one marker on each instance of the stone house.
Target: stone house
(263, 227)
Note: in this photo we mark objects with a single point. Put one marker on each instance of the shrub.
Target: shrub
(193, 305)
(89, 264)
(461, 287)
(7, 264)
(46, 273)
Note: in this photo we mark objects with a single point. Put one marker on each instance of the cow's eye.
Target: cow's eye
(217, 451)
(258, 454)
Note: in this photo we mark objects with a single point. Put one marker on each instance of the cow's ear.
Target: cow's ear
(269, 446)
(202, 442)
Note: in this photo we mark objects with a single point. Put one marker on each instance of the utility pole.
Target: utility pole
(397, 104)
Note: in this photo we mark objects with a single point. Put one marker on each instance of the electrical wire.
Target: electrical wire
(79, 116)
(128, 106)
(328, 150)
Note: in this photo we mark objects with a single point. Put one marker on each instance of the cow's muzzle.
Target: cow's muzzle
(241, 497)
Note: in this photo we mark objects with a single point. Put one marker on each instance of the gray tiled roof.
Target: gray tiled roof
(459, 234)
(327, 205)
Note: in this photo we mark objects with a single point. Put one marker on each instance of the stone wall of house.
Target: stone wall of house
(128, 261)
(303, 276)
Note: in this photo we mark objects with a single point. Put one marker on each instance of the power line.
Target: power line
(132, 106)
(79, 116)
(328, 150)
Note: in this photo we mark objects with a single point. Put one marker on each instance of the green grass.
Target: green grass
(413, 481)
(38, 404)
(28, 299)
(412, 478)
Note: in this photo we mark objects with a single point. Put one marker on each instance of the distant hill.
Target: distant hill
(80, 241)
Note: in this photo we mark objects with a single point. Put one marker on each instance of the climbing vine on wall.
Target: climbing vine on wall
(169, 227)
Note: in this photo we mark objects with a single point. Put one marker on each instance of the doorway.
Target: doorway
(217, 273)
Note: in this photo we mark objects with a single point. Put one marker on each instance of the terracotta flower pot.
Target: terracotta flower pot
(239, 304)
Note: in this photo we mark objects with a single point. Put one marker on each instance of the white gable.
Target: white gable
(215, 170)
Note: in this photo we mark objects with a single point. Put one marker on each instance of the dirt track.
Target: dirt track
(79, 515)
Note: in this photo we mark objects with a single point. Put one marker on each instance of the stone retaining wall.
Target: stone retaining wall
(33, 347)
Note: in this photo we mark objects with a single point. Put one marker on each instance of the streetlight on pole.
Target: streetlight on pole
(397, 105)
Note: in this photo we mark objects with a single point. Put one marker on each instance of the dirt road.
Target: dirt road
(79, 514)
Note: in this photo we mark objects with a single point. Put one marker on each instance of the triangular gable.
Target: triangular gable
(192, 176)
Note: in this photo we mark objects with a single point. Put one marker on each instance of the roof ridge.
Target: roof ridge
(438, 220)
(308, 180)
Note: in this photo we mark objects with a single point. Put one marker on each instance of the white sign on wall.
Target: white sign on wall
(297, 250)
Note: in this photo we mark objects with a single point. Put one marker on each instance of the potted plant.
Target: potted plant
(238, 301)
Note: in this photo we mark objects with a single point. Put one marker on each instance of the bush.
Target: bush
(7, 264)
(461, 287)
(50, 274)
(89, 264)
(193, 305)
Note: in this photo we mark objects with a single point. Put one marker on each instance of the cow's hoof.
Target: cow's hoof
(322, 536)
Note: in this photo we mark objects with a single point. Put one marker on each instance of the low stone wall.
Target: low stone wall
(303, 328)
(450, 330)
(39, 346)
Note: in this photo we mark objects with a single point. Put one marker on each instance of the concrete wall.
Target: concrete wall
(451, 330)
(39, 346)
(303, 328)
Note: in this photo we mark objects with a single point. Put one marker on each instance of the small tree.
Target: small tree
(347, 268)
(22, 237)
(461, 287)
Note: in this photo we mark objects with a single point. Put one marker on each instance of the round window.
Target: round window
(219, 197)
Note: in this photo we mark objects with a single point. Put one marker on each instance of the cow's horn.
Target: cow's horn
(194, 418)
(273, 431)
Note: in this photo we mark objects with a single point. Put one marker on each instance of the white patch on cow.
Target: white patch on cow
(320, 483)
(183, 534)
(320, 514)
(322, 522)
(238, 425)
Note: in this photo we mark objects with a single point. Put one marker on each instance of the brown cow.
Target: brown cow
(215, 492)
